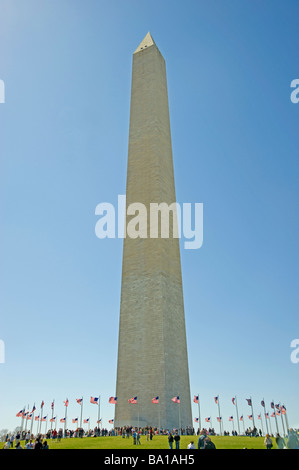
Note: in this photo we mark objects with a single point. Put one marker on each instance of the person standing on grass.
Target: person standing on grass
(170, 440)
(177, 440)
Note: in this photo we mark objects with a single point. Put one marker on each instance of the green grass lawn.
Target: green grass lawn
(158, 442)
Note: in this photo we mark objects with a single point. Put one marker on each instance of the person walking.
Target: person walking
(268, 442)
(279, 441)
(293, 441)
(208, 444)
(201, 439)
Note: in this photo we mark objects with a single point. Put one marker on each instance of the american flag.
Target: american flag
(66, 402)
(196, 398)
(250, 416)
(79, 400)
(272, 404)
(44, 418)
(278, 412)
(273, 415)
(111, 421)
(231, 418)
(233, 400)
(208, 420)
(52, 405)
(263, 403)
(75, 420)
(29, 416)
(99, 421)
(219, 419)
(155, 400)
(176, 399)
(241, 419)
(86, 420)
(36, 418)
(267, 415)
(20, 414)
(259, 417)
(277, 406)
(216, 399)
(62, 420)
(52, 420)
(249, 401)
(33, 409)
(94, 400)
(196, 420)
(113, 400)
(283, 409)
(133, 400)
(42, 404)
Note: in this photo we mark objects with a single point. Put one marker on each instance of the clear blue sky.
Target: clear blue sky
(64, 129)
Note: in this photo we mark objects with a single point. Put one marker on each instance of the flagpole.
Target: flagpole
(37, 426)
(286, 420)
(81, 413)
(284, 433)
(237, 414)
(270, 424)
(199, 420)
(159, 416)
(99, 414)
(138, 412)
(263, 402)
(41, 415)
(32, 418)
(262, 423)
(65, 416)
(26, 420)
(243, 426)
(180, 417)
(252, 412)
(275, 417)
(22, 422)
(220, 420)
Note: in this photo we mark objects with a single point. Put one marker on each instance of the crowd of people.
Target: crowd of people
(204, 441)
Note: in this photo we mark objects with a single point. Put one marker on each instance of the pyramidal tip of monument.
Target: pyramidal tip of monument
(147, 41)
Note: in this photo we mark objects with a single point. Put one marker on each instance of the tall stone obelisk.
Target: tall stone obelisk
(152, 348)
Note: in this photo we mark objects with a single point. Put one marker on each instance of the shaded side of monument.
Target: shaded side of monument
(152, 346)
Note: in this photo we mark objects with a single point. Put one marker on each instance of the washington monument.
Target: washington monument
(152, 347)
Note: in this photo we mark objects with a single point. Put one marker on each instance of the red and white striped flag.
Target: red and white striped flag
(176, 399)
(133, 400)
